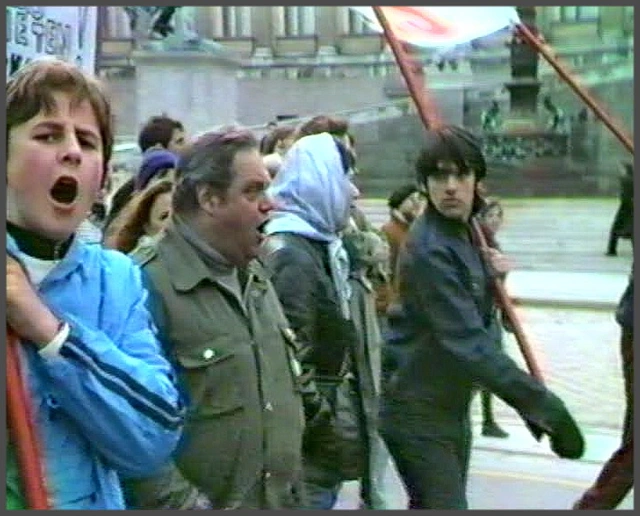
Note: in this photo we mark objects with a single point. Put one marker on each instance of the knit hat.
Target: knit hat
(154, 161)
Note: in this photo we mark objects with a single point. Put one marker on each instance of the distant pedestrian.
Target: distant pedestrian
(622, 226)
(491, 119)
(491, 217)
(557, 121)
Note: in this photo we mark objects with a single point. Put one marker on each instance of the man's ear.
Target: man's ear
(208, 199)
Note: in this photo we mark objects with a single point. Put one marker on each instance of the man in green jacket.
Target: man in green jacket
(222, 324)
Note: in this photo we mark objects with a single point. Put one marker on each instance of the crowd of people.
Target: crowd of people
(234, 333)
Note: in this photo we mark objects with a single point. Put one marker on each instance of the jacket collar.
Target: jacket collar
(187, 269)
(451, 226)
(74, 259)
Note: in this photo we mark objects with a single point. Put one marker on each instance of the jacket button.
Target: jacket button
(267, 474)
(208, 354)
(268, 406)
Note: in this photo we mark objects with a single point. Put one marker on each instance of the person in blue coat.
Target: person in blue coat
(104, 398)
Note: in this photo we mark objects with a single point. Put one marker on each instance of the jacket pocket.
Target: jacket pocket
(211, 376)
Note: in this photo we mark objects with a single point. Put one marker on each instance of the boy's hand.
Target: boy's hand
(29, 317)
(499, 262)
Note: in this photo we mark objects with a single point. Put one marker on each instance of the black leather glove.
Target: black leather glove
(565, 437)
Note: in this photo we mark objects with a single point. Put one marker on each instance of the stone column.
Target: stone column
(262, 29)
(196, 87)
(611, 22)
(524, 86)
(326, 29)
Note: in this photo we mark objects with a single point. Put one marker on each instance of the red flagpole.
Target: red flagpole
(22, 431)
(430, 119)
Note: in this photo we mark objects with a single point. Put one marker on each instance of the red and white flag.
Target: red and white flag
(442, 27)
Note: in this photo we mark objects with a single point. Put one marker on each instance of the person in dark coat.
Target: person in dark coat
(616, 477)
(368, 254)
(310, 271)
(622, 226)
(443, 342)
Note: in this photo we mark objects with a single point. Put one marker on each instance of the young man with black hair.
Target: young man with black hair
(444, 343)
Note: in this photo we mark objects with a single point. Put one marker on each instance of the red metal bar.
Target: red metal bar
(22, 431)
(535, 43)
(429, 117)
(426, 108)
(506, 305)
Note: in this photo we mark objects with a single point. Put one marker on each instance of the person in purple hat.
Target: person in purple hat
(157, 164)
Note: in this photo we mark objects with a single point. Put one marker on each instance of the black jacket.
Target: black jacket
(444, 335)
(327, 344)
(302, 279)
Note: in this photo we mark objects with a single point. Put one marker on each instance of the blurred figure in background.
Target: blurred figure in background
(157, 165)
(405, 205)
(141, 223)
(368, 257)
(622, 226)
(159, 133)
(491, 217)
(275, 146)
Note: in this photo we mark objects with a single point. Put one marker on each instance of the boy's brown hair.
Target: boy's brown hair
(30, 91)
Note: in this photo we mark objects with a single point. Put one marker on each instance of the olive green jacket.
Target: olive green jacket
(236, 359)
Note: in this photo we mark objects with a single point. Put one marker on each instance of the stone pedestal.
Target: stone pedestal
(523, 97)
(198, 87)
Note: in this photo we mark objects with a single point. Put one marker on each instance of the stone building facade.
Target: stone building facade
(297, 61)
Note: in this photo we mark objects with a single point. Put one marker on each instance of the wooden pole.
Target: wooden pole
(535, 43)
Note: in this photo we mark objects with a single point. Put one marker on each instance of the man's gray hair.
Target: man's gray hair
(209, 161)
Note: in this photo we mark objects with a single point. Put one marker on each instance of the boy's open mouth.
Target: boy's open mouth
(65, 190)
(262, 226)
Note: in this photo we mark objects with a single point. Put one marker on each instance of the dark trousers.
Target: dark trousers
(616, 477)
(621, 227)
(433, 466)
(487, 407)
